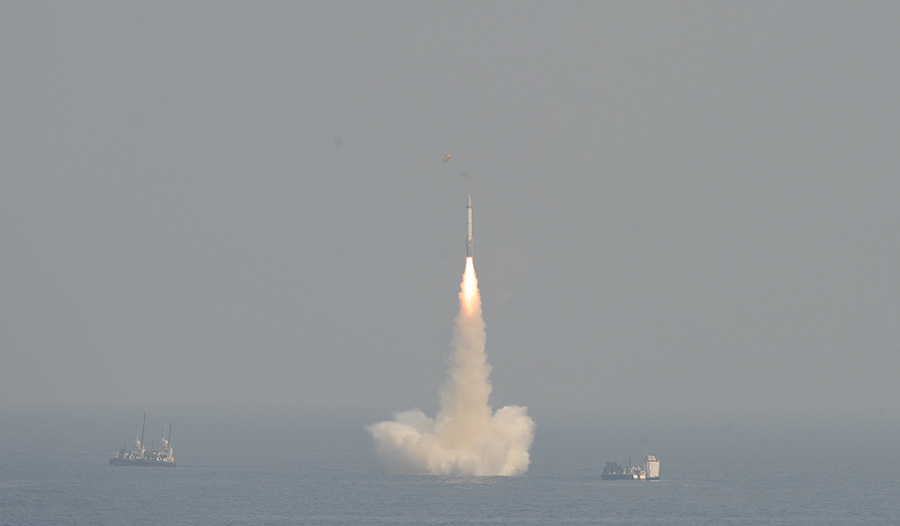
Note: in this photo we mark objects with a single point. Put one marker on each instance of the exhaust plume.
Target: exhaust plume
(465, 437)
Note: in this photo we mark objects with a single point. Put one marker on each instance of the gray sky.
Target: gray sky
(677, 204)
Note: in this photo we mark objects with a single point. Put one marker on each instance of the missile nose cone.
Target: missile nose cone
(470, 201)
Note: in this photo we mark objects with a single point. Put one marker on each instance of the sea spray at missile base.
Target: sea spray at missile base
(465, 437)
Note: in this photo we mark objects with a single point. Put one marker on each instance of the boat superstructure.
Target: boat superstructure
(651, 466)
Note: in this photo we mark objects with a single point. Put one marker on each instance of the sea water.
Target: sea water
(282, 468)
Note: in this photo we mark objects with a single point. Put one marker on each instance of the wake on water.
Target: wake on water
(465, 437)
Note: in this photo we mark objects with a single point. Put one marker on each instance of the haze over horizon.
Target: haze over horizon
(678, 205)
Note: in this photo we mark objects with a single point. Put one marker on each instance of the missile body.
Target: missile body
(469, 241)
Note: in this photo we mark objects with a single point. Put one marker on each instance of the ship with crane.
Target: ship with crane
(138, 454)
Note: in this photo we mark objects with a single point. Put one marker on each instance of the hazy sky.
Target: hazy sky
(677, 204)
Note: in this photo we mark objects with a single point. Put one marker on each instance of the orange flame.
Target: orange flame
(468, 294)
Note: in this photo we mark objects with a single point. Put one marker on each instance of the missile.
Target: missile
(469, 241)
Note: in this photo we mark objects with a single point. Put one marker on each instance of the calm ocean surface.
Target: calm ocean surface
(313, 469)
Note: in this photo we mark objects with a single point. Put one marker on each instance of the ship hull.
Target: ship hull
(142, 463)
(619, 476)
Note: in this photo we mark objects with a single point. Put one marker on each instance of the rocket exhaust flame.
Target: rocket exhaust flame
(465, 437)
(469, 298)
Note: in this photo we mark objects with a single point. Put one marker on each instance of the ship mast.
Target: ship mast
(142, 427)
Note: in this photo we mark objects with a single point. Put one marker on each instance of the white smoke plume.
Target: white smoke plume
(465, 437)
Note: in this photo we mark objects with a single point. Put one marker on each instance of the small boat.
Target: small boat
(649, 471)
(138, 455)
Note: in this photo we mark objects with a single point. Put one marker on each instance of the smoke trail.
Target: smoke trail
(465, 438)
